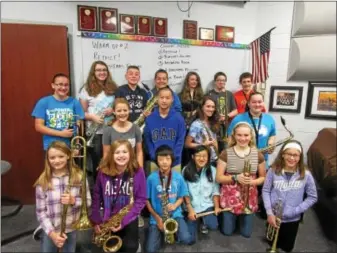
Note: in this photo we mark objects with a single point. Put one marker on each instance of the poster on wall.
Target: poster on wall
(321, 101)
(285, 99)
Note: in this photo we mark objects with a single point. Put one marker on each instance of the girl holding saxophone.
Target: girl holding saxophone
(119, 181)
(59, 174)
(96, 97)
(287, 182)
(236, 172)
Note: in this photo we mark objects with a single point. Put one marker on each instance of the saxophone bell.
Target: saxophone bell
(170, 228)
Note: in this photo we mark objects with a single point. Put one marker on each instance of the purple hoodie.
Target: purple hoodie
(105, 191)
(290, 192)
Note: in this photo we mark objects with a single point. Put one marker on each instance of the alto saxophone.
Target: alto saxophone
(280, 142)
(272, 232)
(149, 106)
(92, 129)
(105, 238)
(170, 225)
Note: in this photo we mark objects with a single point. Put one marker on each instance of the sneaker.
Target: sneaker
(140, 222)
(204, 229)
(37, 233)
(139, 247)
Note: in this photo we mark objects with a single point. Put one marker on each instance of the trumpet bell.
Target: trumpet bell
(112, 244)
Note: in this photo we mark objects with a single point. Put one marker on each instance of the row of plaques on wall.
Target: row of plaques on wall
(107, 20)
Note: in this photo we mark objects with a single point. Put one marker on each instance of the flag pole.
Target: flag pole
(263, 34)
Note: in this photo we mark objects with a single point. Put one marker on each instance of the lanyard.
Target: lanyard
(161, 177)
(257, 130)
(125, 176)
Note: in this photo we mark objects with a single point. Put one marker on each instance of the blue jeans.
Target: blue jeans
(47, 244)
(211, 222)
(155, 236)
(229, 223)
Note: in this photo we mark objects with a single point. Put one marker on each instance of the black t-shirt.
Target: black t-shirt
(137, 99)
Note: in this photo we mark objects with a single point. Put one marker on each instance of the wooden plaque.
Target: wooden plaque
(224, 33)
(144, 25)
(190, 30)
(127, 24)
(87, 18)
(108, 20)
(160, 27)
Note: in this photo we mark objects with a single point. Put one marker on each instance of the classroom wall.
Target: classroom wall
(242, 17)
(250, 21)
(279, 14)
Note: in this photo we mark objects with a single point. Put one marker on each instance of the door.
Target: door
(30, 56)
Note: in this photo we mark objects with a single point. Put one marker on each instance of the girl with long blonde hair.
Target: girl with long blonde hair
(59, 174)
(239, 187)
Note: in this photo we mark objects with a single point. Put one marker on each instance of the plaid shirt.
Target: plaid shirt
(49, 207)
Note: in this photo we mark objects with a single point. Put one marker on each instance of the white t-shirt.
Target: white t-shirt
(96, 105)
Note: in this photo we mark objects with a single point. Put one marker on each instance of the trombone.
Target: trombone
(83, 223)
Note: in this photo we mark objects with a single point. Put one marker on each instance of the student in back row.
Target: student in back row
(55, 115)
(136, 96)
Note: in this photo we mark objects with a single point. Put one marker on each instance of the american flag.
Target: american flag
(260, 52)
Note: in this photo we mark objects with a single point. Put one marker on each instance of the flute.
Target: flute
(211, 212)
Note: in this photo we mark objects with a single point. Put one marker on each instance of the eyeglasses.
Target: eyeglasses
(220, 81)
(201, 156)
(293, 155)
(101, 70)
(63, 85)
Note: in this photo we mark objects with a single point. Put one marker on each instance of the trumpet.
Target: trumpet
(272, 232)
(280, 142)
(199, 215)
(247, 168)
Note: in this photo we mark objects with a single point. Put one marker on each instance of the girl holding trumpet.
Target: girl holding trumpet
(286, 184)
(236, 172)
(204, 194)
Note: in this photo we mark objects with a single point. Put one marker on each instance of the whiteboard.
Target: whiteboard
(176, 59)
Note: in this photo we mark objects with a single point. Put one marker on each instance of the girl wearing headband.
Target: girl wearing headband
(239, 186)
(287, 183)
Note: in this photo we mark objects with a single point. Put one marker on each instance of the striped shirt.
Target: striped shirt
(236, 163)
(233, 195)
(49, 207)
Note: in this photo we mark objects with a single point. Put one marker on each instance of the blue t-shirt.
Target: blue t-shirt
(58, 115)
(267, 129)
(154, 189)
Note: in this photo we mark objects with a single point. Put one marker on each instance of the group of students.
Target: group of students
(196, 148)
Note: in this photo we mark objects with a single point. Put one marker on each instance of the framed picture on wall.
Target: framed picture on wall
(160, 27)
(321, 101)
(144, 25)
(285, 99)
(108, 19)
(127, 24)
(190, 30)
(87, 18)
(206, 34)
(224, 33)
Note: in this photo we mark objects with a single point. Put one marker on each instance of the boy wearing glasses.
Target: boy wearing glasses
(55, 115)
(225, 105)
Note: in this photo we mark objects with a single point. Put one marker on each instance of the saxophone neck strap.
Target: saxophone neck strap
(167, 186)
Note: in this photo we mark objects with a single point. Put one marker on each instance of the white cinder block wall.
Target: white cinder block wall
(279, 14)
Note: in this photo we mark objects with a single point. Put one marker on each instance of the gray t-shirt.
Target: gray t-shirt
(230, 101)
(134, 135)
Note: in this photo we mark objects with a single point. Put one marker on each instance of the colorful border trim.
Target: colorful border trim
(203, 43)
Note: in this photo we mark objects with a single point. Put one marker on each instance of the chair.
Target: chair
(7, 201)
